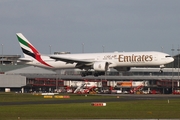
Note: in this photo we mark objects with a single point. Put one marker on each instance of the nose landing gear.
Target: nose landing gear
(161, 68)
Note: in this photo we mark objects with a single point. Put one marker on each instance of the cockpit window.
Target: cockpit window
(168, 56)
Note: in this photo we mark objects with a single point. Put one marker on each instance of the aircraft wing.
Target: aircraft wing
(71, 60)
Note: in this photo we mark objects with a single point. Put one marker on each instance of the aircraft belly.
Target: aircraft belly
(135, 64)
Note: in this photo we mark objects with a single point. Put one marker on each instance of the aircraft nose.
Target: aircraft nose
(171, 59)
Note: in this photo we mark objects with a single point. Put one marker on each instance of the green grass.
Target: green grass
(140, 109)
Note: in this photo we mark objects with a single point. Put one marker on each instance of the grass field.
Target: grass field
(139, 109)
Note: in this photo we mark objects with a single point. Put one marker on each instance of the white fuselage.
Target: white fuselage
(116, 59)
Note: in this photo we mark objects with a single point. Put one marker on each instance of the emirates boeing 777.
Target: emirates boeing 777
(99, 62)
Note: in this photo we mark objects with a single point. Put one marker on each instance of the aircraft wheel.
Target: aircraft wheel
(96, 74)
(83, 74)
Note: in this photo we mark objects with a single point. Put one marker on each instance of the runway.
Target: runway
(116, 98)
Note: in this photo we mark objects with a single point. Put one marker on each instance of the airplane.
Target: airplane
(100, 63)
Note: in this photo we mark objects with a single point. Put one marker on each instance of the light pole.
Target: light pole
(82, 47)
(162, 49)
(2, 54)
(178, 65)
(50, 49)
(103, 48)
(172, 67)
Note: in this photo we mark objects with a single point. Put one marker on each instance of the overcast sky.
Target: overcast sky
(68, 25)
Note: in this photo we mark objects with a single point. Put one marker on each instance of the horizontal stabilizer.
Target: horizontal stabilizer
(25, 60)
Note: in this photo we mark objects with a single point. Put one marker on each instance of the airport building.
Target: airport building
(23, 78)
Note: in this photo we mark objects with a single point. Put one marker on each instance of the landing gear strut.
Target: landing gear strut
(160, 71)
(161, 68)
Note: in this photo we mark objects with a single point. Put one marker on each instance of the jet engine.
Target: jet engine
(100, 66)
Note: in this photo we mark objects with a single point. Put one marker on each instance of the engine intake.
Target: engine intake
(100, 66)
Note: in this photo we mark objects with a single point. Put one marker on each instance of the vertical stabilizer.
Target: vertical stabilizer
(28, 49)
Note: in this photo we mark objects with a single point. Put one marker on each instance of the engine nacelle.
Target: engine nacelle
(100, 66)
(123, 68)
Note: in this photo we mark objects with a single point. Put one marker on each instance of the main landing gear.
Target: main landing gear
(95, 73)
